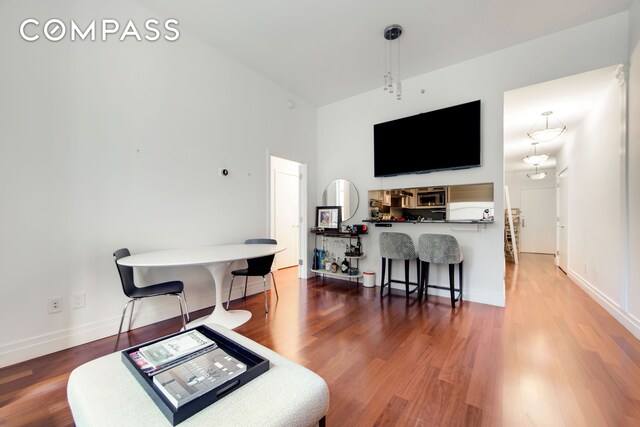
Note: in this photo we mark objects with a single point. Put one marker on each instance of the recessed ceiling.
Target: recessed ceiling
(325, 51)
(570, 98)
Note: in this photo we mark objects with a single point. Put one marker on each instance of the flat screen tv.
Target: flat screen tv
(437, 140)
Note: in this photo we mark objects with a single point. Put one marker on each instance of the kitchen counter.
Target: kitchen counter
(425, 221)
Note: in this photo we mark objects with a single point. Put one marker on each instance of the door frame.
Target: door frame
(566, 233)
(302, 210)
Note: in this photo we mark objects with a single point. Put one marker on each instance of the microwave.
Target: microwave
(436, 197)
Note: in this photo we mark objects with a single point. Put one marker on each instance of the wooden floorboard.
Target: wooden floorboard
(551, 357)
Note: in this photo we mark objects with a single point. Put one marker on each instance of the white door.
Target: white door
(538, 220)
(286, 188)
(562, 259)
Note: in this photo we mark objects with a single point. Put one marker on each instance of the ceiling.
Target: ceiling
(328, 50)
(570, 99)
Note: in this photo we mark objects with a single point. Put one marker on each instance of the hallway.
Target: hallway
(566, 360)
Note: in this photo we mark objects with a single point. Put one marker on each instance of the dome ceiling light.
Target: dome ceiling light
(533, 158)
(546, 133)
(537, 174)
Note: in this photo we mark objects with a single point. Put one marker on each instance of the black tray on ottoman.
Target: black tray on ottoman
(256, 365)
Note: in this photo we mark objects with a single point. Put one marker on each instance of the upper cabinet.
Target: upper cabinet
(471, 193)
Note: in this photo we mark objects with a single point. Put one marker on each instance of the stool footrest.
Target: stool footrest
(417, 285)
(446, 288)
(403, 282)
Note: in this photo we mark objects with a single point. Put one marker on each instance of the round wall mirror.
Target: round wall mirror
(342, 193)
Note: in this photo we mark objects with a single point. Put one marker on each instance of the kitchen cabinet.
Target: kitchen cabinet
(409, 199)
(402, 198)
(379, 198)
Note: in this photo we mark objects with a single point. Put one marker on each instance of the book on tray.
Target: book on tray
(154, 358)
(197, 375)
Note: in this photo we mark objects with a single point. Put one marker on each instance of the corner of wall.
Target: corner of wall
(634, 25)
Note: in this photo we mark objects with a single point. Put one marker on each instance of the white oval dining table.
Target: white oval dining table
(217, 260)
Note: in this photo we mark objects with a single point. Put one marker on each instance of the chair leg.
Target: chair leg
(420, 282)
(124, 311)
(186, 307)
(230, 288)
(451, 285)
(184, 324)
(382, 277)
(390, 262)
(133, 307)
(264, 284)
(460, 272)
(246, 279)
(418, 274)
(406, 276)
(273, 279)
(424, 270)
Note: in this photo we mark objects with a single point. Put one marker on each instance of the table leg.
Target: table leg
(230, 319)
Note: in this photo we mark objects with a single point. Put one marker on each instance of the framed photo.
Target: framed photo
(329, 217)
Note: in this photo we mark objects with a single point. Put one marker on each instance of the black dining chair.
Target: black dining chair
(175, 288)
(256, 267)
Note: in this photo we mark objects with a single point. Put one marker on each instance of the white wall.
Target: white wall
(516, 181)
(345, 133)
(595, 196)
(112, 144)
(597, 217)
(634, 167)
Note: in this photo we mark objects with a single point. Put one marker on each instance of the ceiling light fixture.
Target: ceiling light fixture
(546, 134)
(537, 174)
(535, 159)
(392, 34)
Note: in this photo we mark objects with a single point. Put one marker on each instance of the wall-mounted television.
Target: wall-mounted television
(434, 141)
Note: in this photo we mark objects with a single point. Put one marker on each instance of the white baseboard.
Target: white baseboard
(630, 322)
(32, 347)
(481, 297)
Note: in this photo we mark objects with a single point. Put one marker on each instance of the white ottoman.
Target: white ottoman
(104, 392)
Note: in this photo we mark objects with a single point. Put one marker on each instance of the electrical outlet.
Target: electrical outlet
(77, 300)
(55, 304)
(586, 268)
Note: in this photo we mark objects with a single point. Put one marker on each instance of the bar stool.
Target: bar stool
(439, 249)
(397, 246)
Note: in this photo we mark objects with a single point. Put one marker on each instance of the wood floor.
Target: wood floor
(551, 357)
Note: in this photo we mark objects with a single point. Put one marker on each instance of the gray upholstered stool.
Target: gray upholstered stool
(439, 249)
(397, 246)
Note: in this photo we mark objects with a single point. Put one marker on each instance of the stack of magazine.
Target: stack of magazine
(186, 366)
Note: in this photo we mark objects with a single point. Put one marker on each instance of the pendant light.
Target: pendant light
(535, 159)
(392, 78)
(537, 174)
(546, 133)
